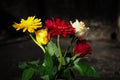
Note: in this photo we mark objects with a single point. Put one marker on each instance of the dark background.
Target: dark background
(96, 13)
(102, 16)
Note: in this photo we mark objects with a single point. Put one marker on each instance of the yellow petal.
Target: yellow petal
(29, 25)
(42, 36)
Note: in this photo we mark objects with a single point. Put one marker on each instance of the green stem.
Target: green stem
(37, 43)
(69, 46)
(59, 51)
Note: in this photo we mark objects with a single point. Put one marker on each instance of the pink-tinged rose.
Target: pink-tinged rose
(82, 48)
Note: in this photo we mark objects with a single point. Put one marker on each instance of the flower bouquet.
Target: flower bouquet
(57, 64)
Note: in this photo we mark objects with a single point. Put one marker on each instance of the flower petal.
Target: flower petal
(42, 36)
(28, 25)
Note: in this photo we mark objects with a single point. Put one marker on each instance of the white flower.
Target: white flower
(80, 29)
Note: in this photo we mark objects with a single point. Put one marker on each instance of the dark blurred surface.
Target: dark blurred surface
(100, 15)
(13, 54)
(105, 58)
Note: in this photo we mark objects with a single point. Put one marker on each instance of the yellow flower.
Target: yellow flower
(80, 29)
(30, 24)
(42, 36)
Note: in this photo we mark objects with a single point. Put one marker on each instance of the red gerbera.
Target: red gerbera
(82, 48)
(59, 27)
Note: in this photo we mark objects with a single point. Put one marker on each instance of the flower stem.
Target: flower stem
(37, 43)
(69, 46)
(59, 51)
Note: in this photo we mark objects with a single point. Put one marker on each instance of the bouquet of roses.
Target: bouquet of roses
(57, 64)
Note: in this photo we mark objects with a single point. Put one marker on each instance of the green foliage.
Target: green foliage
(85, 70)
(29, 69)
(48, 65)
(52, 49)
(49, 69)
(68, 74)
(22, 65)
(28, 73)
(36, 62)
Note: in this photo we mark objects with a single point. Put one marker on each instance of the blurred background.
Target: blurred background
(102, 16)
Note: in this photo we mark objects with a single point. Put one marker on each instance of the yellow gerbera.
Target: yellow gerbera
(42, 36)
(30, 24)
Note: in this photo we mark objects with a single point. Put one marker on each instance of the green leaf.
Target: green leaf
(67, 59)
(85, 70)
(45, 73)
(67, 74)
(28, 73)
(52, 49)
(45, 77)
(41, 71)
(78, 69)
(48, 60)
(48, 64)
(22, 65)
(77, 60)
(36, 62)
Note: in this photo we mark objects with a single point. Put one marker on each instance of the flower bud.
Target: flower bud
(42, 36)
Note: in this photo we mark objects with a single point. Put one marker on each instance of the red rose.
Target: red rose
(82, 48)
(59, 27)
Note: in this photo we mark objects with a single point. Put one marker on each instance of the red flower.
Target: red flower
(59, 27)
(82, 48)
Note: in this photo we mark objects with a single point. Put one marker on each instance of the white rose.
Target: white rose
(80, 29)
